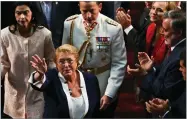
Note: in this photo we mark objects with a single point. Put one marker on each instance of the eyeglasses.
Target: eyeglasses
(68, 60)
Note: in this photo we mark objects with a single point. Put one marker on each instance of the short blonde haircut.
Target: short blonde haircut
(66, 48)
(169, 5)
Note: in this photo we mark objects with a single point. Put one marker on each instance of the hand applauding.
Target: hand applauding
(145, 62)
(145, 65)
(123, 18)
(157, 106)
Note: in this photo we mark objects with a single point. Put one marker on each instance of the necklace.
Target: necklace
(70, 89)
(73, 86)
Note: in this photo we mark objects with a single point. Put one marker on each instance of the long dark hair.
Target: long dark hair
(33, 21)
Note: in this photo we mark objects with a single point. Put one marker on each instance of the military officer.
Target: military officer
(101, 48)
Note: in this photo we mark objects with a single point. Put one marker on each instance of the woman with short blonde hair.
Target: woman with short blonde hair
(68, 92)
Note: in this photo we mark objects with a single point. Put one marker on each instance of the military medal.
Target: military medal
(102, 44)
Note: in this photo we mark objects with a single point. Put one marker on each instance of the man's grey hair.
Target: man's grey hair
(178, 20)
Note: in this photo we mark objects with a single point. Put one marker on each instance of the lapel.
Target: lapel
(57, 83)
(53, 12)
(174, 53)
(84, 92)
(39, 7)
(145, 24)
(42, 17)
(59, 89)
(146, 21)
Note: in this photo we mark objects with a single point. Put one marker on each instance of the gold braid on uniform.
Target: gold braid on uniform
(72, 26)
(112, 22)
(71, 32)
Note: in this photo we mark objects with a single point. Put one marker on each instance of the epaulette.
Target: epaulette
(72, 17)
(112, 22)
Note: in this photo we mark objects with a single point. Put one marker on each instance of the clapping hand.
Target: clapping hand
(139, 71)
(123, 18)
(145, 65)
(145, 62)
(39, 64)
(120, 9)
(157, 106)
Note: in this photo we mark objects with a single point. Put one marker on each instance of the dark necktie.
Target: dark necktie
(168, 51)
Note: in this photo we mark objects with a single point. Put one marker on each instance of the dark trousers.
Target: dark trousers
(110, 111)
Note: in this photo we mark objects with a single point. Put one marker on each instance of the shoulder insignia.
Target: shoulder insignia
(72, 17)
(112, 22)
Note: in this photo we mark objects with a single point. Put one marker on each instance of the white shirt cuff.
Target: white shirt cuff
(154, 69)
(128, 29)
(165, 114)
(38, 84)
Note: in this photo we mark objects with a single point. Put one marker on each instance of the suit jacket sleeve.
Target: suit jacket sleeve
(137, 39)
(43, 85)
(130, 38)
(145, 87)
(178, 108)
(162, 86)
(118, 63)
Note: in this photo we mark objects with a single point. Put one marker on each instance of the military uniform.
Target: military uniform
(101, 49)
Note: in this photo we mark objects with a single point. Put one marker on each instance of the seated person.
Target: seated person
(68, 92)
(177, 108)
(150, 38)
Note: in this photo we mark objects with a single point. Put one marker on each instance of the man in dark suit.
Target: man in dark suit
(134, 32)
(177, 108)
(134, 29)
(160, 81)
(52, 16)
